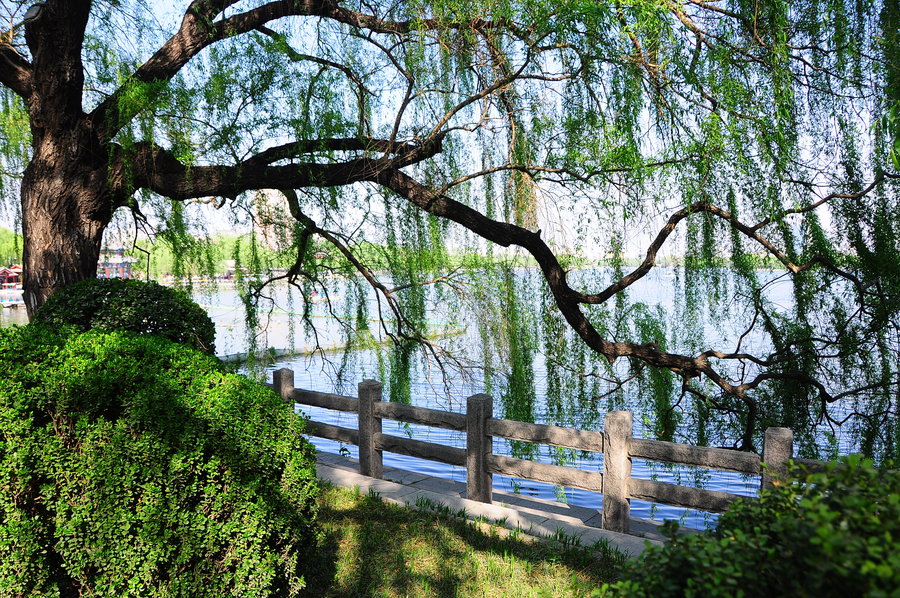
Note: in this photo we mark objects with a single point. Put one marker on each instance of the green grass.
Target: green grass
(372, 548)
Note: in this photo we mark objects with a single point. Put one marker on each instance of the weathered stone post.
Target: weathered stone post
(283, 383)
(479, 445)
(370, 462)
(616, 471)
(778, 449)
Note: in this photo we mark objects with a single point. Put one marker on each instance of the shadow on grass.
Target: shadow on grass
(371, 548)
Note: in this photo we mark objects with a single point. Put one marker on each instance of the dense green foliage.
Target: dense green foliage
(818, 535)
(118, 304)
(133, 466)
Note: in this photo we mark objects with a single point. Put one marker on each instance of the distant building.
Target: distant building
(230, 267)
(11, 275)
(115, 264)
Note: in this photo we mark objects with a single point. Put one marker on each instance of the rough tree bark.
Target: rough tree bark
(66, 203)
(65, 208)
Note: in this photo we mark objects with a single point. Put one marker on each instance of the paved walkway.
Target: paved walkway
(534, 516)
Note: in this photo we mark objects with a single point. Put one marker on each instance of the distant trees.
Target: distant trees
(10, 248)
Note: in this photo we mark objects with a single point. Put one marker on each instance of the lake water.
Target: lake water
(436, 389)
(432, 388)
(13, 317)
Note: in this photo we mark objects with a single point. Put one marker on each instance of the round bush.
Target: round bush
(832, 534)
(131, 465)
(110, 304)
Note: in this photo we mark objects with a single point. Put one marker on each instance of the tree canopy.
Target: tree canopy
(735, 134)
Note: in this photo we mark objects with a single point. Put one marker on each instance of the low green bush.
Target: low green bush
(110, 304)
(819, 535)
(134, 466)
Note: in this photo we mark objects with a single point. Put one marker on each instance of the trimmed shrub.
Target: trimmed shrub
(831, 534)
(110, 304)
(134, 466)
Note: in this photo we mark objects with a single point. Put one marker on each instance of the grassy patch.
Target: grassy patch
(371, 548)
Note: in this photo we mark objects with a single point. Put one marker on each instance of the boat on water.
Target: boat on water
(11, 295)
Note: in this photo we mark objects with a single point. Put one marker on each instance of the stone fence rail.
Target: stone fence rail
(615, 443)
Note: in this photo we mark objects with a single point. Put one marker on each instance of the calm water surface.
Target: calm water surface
(281, 329)
(430, 389)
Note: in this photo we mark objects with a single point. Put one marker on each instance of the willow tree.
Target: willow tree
(734, 133)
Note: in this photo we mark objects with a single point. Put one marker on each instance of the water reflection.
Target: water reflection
(13, 317)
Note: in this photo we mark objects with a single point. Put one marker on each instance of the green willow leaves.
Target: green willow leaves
(520, 167)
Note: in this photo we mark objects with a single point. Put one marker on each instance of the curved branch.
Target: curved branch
(751, 232)
(567, 300)
(157, 169)
(15, 71)
(880, 178)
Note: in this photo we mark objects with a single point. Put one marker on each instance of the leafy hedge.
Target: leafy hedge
(832, 534)
(110, 304)
(131, 465)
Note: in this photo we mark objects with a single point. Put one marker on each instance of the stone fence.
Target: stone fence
(615, 443)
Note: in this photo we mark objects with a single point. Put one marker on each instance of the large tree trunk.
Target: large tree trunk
(66, 206)
(66, 202)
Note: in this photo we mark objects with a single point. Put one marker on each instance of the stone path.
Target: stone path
(534, 516)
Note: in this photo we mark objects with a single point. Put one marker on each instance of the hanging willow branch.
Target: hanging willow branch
(474, 116)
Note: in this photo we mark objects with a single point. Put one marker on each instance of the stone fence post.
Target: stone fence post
(370, 460)
(616, 471)
(283, 383)
(479, 446)
(778, 449)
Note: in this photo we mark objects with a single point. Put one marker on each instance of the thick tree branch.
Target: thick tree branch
(368, 145)
(161, 172)
(15, 71)
(55, 40)
(157, 169)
